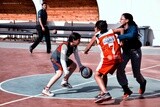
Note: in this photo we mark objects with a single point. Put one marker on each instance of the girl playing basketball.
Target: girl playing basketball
(63, 64)
(109, 46)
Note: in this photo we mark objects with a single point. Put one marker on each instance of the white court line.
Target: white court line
(14, 101)
(29, 97)
(73, 86)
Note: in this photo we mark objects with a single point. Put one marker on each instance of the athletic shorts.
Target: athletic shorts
(107, 68)
(57, 64)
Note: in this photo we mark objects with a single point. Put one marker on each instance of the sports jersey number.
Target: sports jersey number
(111, 45)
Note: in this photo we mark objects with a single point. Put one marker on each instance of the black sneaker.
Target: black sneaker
(102, 98)
(48, 51)
(30, 49)
(142, 87)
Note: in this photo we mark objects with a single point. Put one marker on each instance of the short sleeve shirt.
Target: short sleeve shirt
(43, 15)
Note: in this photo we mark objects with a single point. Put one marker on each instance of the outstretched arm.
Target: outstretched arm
(119, 30)
(88, 47)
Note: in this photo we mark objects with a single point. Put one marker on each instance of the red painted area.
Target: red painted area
(19, 62)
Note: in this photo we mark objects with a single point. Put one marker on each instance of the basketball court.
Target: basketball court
(23, 76)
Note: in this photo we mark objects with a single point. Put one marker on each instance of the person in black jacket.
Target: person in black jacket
(131, 51)
(42, 29)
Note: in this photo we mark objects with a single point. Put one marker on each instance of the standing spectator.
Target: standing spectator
(131, 51)
(110, 57)
(42, 29)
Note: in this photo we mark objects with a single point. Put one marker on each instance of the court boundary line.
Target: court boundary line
(29, 97)
(34, 75)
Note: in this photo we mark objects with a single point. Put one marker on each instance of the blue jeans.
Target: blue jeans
(135, 56)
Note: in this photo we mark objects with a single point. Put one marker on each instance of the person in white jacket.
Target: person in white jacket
(63, 64)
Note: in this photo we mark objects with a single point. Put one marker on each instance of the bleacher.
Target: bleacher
(25, 30)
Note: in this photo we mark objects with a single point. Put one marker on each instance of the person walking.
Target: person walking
(63, 64)
(110, 57)
(42, 29)
(131, 46)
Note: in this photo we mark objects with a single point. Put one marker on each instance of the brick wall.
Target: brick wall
(72, 10)
(17, 10)
(58, 10)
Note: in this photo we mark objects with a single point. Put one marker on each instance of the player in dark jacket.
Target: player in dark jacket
(131, 51)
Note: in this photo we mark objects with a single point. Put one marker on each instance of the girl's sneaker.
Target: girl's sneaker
(99, 95)
(66, 84)
(102, 98)
(47, 92)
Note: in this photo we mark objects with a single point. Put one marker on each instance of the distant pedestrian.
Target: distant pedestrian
(42, 29)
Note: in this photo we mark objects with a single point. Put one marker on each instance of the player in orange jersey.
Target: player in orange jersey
(110, 49)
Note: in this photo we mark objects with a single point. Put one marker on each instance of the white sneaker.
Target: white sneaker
(47, 93)
(66, 84)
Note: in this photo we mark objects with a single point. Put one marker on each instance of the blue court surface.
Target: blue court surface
(82, 88)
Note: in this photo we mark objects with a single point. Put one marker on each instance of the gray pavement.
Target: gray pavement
(146, 50)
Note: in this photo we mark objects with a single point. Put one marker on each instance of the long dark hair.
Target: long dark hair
(102, 25)
(133, 43)
(130, 18)
(74, 36)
